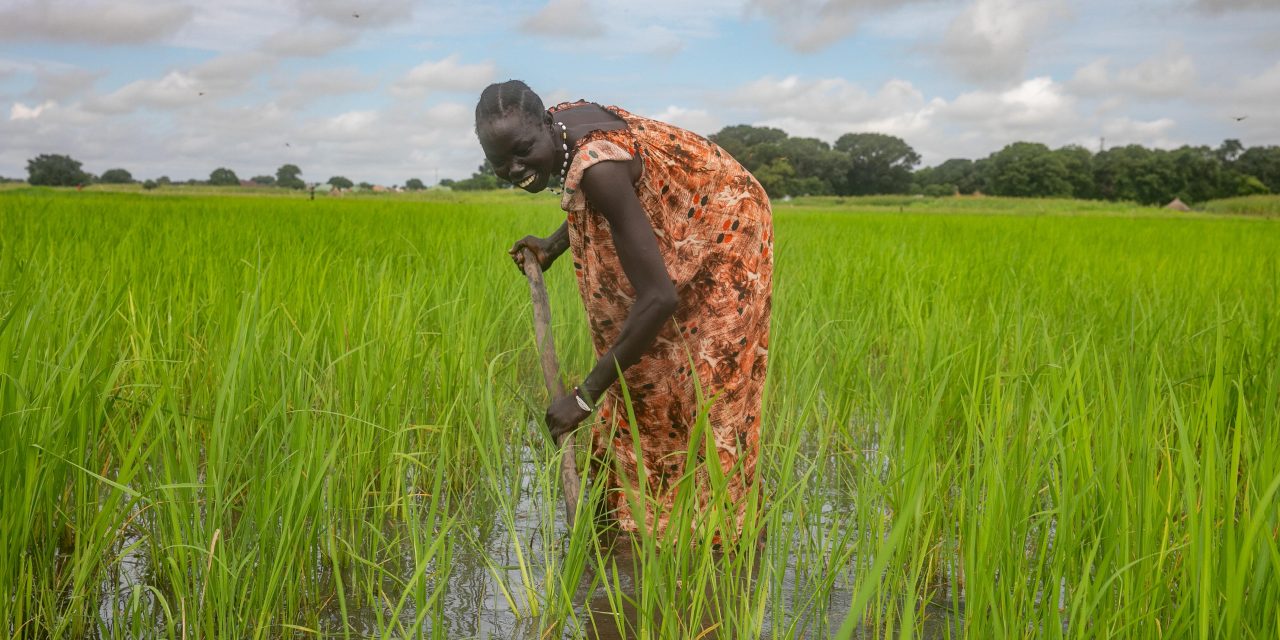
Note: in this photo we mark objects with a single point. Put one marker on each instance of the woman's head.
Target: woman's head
(515, 132)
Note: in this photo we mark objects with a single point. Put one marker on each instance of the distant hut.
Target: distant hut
(1177, 205)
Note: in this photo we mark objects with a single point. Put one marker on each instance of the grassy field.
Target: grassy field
(268, 417)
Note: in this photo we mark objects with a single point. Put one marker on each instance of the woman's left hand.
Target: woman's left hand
(564, 415)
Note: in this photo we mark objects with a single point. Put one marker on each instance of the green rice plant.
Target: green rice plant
(1268, 205)
(266, 417)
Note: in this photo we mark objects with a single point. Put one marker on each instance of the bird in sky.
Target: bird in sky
(355, 15)
(1239, 118)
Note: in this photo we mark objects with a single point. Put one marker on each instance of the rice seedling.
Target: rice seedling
(268, 417)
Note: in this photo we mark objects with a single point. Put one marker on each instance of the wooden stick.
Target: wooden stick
(551, 376)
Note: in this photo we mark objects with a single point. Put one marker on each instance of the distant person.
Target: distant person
(672, 244)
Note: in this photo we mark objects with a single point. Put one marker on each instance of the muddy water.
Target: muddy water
(475, 605)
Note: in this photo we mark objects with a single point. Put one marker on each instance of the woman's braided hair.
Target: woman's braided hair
(501, 98)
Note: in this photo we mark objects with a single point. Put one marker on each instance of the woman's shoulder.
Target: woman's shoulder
(564, 106)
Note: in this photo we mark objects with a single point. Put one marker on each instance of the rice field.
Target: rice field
(260, 417)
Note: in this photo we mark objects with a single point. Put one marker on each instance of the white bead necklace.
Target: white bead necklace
(564, 144)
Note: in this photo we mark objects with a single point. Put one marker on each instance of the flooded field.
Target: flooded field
(269, 418)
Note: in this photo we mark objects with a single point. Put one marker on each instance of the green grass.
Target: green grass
(1249, 205)
(269, 417)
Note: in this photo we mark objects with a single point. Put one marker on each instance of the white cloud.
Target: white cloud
(350, 124)
(222, 77)
(21, 111)
(973, 124)
(444, 75)
(235, 25)
(308, 42)
(829, 107)
(358, 13)
(564, 19)
(812, 25)
(232, 72)
(1258, 91)
(175, 89)
(1123, 131)
(1166, 75)
(1252, 97)
(10, 68)
(125, 22)
(62, 83)
(1221, 6)
(989, 41)
(307, 87)
(1038, 104)
(698, 121)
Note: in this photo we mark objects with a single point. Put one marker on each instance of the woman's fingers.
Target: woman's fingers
(517, 254)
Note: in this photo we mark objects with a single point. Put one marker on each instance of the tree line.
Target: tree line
(877, 163)
(56, 170)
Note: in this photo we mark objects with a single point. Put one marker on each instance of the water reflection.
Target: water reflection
(810, 588)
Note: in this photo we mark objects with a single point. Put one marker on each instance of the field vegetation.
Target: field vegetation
(265, 417)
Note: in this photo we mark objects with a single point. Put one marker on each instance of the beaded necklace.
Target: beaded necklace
(564, 144)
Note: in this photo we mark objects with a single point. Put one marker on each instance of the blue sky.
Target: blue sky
(384, 90)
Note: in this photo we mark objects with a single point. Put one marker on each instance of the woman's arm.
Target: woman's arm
(609, 188)
(558, 241)
(546, 250)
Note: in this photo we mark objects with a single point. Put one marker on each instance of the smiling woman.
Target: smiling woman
(672, 250)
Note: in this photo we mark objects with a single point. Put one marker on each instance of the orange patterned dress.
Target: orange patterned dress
(714, 228)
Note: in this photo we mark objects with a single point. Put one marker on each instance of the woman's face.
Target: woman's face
(520, 149)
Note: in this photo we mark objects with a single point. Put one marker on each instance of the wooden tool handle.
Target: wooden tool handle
(551, 377)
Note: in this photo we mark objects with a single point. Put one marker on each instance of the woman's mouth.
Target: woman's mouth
(524, 184)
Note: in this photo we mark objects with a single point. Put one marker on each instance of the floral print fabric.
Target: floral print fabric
(713, 224)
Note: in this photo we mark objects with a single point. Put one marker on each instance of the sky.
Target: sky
(385, 90)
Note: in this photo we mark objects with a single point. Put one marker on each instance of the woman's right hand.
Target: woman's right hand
(539, 246)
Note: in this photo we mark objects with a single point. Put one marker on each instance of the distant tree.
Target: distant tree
(878, 163)
(447, 183)
(414, 184)
(777, 177)
(1262, 163)
(149, 185)
(744, 142)
(820, 170)
(1229, 151)
(939, 190)
(1078, 162)
(1200, 175)
(959, 173)
(1250, 186)
(164, 181)
(482, 179)
(54, 170)
(116, 176)
(340, 182)
(287, 177)
(265, 181)
(1134, 173)
(1028, 170)
(223, 177)
(366, 185)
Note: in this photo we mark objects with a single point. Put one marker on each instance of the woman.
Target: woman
(672, 249)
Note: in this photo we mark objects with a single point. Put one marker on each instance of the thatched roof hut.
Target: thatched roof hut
(1177, 205)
